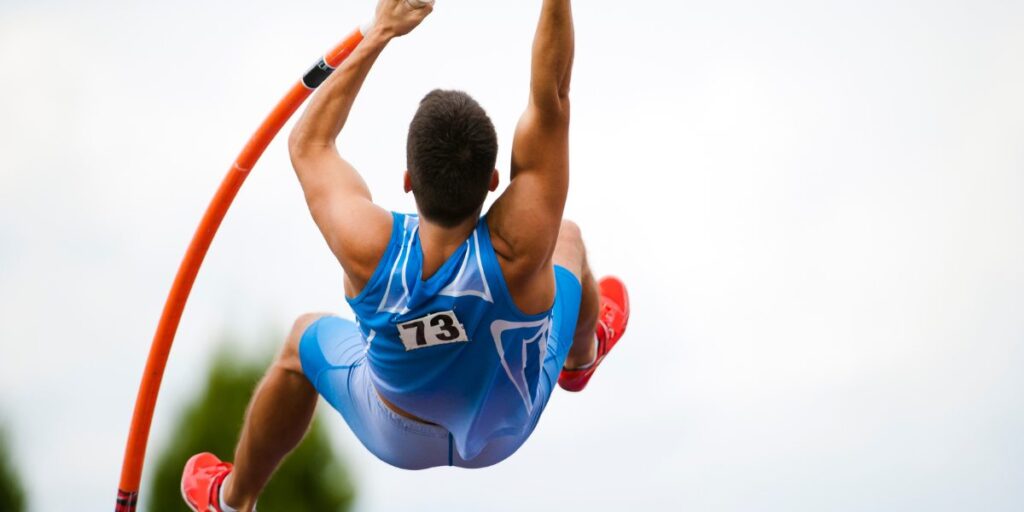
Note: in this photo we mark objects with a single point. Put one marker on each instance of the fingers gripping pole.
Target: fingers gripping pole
(149, 389)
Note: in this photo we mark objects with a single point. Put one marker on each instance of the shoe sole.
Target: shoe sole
(185, 498)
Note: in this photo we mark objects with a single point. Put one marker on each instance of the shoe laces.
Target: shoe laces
(609, 314)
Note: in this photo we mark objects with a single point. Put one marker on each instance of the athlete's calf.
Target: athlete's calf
(279, 415)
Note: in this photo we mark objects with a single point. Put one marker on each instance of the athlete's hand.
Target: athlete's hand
(397, 18)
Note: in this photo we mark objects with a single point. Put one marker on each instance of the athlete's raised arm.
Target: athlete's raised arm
(527, 216)
(338, 198)
(526, 219)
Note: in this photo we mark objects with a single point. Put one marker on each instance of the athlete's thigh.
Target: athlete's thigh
(400, 442)
(333, 357)
(329, 343)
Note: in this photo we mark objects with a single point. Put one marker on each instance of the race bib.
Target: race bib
(432, 330)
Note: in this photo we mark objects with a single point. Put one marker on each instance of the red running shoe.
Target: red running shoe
(201, 481)
(611, 324)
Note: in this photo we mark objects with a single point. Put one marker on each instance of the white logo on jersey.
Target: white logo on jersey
(471, 281)
(395, 300)
(516, 368)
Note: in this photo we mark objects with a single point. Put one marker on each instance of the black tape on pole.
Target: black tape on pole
(317, 74)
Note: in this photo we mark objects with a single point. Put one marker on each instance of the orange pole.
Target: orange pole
(149, 389)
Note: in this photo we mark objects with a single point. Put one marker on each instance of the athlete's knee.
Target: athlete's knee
(288, 359)
(570, 252)
(570, 233)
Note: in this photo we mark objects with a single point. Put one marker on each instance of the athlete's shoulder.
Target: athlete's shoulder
(365, 254)
(527, 270)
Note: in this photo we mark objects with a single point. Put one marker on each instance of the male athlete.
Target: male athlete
(464, 322)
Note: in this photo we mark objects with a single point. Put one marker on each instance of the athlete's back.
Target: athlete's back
(453, 349)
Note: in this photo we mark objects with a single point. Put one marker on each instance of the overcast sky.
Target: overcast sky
(818, 206)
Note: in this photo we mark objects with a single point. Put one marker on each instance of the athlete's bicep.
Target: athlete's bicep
(356, 230)
(527, 216)
(541, 145)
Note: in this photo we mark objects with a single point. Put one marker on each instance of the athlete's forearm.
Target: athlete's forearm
(324, 118)
(553, 53)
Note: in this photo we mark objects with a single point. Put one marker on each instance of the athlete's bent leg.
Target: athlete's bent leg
(571, 253)
(279, 415)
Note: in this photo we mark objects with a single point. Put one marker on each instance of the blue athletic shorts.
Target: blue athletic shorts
(333, 354)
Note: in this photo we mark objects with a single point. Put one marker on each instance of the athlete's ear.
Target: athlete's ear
(408, 182)
(495, 179)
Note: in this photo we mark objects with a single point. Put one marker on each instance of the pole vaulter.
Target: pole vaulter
(149, 389)
(498, 323)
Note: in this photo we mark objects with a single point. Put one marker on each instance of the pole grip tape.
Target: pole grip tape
(317, 74)
(126, 501)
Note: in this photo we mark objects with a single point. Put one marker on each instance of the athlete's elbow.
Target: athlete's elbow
(552, 107)
(298, 143)
(301, 146)
(563, 90)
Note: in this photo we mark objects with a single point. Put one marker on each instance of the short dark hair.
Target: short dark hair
(451, 153)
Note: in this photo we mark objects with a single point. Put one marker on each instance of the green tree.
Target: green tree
(12, 495)
(311, 478)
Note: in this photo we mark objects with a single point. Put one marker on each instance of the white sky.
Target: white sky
(818, 205)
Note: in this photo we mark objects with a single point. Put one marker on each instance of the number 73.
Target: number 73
(434, 329)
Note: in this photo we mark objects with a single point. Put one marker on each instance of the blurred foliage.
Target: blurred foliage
(311, 478)
(12, 495)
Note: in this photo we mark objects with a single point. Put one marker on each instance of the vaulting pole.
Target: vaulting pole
(145, 402)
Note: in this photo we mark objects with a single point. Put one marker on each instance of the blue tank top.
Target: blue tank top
(452, 349)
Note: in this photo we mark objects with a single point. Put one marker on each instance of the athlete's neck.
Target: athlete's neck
(439, 242)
